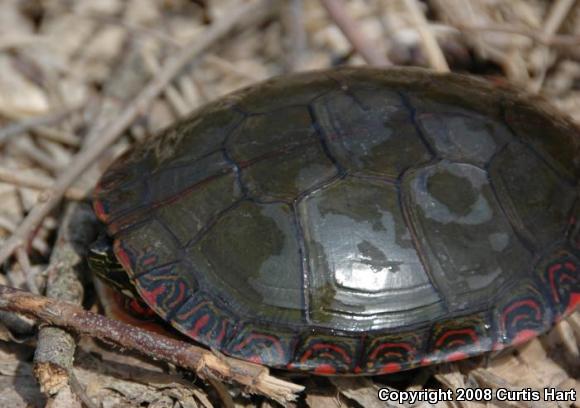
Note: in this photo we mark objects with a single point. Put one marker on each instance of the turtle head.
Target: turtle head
(103, 263)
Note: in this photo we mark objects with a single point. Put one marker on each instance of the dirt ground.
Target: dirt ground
(74, 79)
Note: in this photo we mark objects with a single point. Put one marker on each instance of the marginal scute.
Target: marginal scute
(376, 137)
(326, 354)
(559, 272)
(202, 319)
(252, 256)
(365, 271)
(533, 210)
(389, 353)
(167, 287)
(524, 314)
(459, 338)
(262, 345)
(120, 191)
(470, 248)
(146, 247)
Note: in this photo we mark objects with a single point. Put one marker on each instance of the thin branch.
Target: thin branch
(430, 44)
(35, 182)
(247, 15)
(556, 16)
(293, 20)
(372, 54)
(541, 38)
(29, 276)
(25, 125)
(255, 378)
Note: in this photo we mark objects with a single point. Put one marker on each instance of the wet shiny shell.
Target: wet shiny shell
(354, 221)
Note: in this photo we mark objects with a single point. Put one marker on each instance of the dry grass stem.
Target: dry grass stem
(37, 182)
(430, 45)
(29, 276)
(372, 54)
(25, 125)
(541, 38)
(558, 12)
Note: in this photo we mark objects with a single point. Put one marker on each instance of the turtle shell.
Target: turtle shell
(354, 220)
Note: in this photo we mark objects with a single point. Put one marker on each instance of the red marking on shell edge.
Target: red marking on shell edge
(456, 343)
(573, 303)
(528, 302)
(151, 296)
(182, 289)
(323, 346)
(275, 342)
(498, 346)
(517, 319)
(551, 271)
(326, 369)
(222, 334)
(202, 321)
(390, 368)
(515, 305)
(380, 348)
(140, 309)
(255, 359)
(456, 356)
(523, 336)
(100, 210)
(470, 332)
(122, 255)
(149, 260)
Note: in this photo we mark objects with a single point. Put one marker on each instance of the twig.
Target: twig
(57, 136)
(541, 38)
(351, 30)
(10, 41)
(231, 68)
(16, 324)
(170, 92)
(187, 90)
(19, 179)
(294, 23)
(255, 378)
(55, 349)
(26, 147)
(29, 276)
(556, 16)
(8, 132)
(430, 44)
(10, 226)
(249, 14)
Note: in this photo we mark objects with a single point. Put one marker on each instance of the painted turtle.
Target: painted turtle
(353, 220)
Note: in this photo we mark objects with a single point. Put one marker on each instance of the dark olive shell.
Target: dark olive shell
(354, 220)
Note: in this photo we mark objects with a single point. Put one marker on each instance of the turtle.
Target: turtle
(351, 220)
